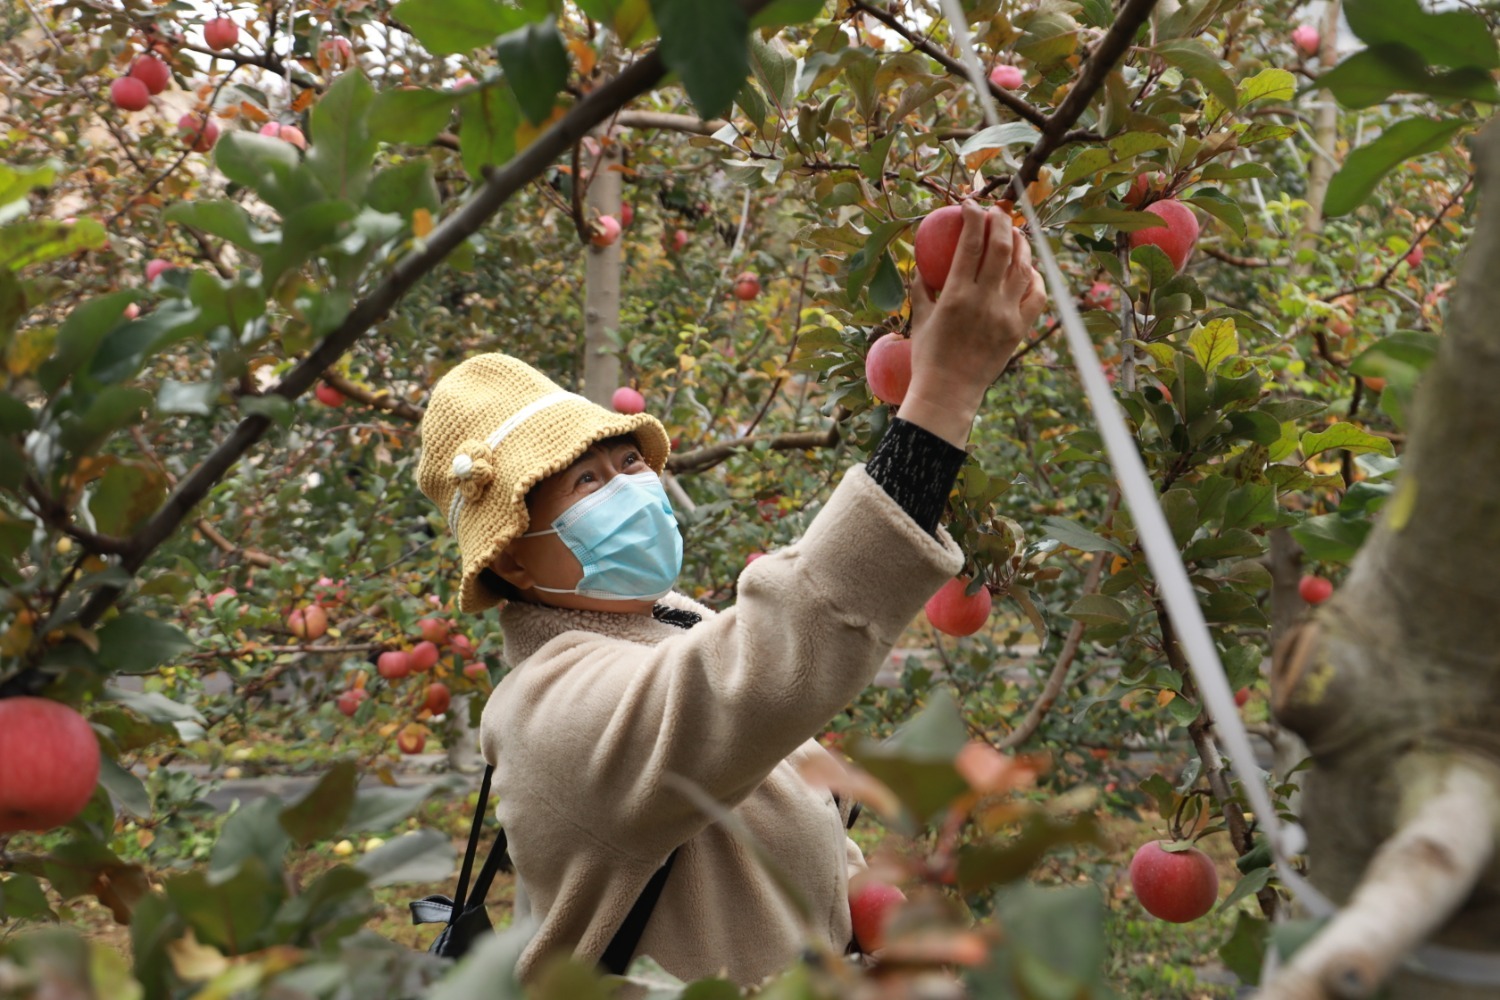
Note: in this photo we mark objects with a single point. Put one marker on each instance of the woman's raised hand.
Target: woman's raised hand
(962, 341)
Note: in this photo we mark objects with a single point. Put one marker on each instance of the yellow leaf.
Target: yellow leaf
(526, 133)
(193, 961)
(584, 53)
(421, 222)
(1164, 698)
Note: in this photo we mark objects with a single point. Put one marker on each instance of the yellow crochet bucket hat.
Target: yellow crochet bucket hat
(494, 428)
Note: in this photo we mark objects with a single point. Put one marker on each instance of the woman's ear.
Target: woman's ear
(510, 569)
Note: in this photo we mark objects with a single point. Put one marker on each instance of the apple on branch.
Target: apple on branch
(1176, 237)
(746, 286)
(129, 93)
(1007, 77)
(1178, 885)
(872, 906)
(152, 72)
(49, 764)
(627, 400)
(1315, 589)
(888, 368)
(954, 612)
(221, 33)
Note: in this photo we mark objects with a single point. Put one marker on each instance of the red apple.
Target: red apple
(335, 53)
(936, 241)
(221, 33)
(627, 400)
(437, 699)
(871, 908)
(605, 231)
(129, 93)
(1101, 295)
(1007, 77)
(464, 81)
(423, 655)
(951, 611)
(1144, 184)
(327, 594)
(132, 311)
(411, 739)
(1176, 886)
(49, 763)
(746, 286)
(152, 72)
(752, 557)
(627, 215)
(1241, 696)
(460, 646)
(286, 133)
(328, 395)
(393, 665)
(434, 630)
(1414, 256)
(226, 592)
(310, 622)
(199, 131)
(476, 670)
(1177, 238)
(1374, 383)
(1340, 327)
(888, 368)
(1315, 589)
(1305, 38)
(679, 240)
(154, 267)
(350, 700)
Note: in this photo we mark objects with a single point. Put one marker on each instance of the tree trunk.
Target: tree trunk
(1395, 685)
(601, 362)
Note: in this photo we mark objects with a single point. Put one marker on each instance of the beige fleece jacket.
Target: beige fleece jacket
(600, 708)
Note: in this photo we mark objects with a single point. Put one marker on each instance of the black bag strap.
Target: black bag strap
(621, 949)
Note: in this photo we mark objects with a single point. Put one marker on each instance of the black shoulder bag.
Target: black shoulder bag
(467, 921)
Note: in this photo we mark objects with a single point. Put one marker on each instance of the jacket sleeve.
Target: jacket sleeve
(608, 729)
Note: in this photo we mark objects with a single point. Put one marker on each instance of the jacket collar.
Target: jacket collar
(529, 627)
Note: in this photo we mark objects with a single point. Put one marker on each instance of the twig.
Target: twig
(251, 556)
(703, 459)
(382, 400)
(1230, 258)
(1414, 883)
(1432, 224)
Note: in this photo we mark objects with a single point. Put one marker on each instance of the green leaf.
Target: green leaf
(489, 969)
(228, 908)
(983, 865)
(269, 167)
(1191, 56)
(782, 13)
(378, 809)
(1331, 537)
(1267, 85)
(1365, 166)
(1245, 951)
(128, 494)
(1097, 609)
(886, 290)
(254, 831)
(194, 398)
(707, 45)
(124, 788)
(322, 810)
(275, 406)
(1000, 136)
(1215, 342)
(1181, 509)
(423, 856)
(536, 66)
(16, 182)
(412, 116)
(224, 219)
(1251, 883)
(1078, 537)
(126, 347)
(404, 188)
(114, 408)
(36, 241)
(776, 71)
(336, 904)
(342, 149)
(630, 20)
(132, 643)
(15, 416)
(23, 898)
(80, 336)
(488, 119)
(1346, 437)
(1371, 75)
(457, 27)
(1445, 38)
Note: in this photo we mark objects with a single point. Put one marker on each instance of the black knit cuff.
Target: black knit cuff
(918, 469)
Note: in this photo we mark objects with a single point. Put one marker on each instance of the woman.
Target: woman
(626, 695)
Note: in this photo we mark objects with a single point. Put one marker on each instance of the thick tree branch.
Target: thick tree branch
(703, 459)
(1414, 883)
(1100, 63)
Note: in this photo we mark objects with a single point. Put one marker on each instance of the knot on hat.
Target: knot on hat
(473, 469)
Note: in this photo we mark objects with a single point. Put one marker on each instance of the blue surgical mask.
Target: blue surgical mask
(626, 539)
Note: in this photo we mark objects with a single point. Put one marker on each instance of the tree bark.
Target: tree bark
(1400, 665)
(601, 280)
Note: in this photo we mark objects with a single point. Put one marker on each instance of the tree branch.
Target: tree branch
(703, 459)
(1414, 883)
(382, 400)
(1096, 70)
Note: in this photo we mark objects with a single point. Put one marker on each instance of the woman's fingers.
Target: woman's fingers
(1020, 266)
(971, 249)
(998, 250)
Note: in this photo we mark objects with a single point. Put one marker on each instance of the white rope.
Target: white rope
(1161, 551)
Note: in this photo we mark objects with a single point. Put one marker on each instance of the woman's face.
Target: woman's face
(544, 560)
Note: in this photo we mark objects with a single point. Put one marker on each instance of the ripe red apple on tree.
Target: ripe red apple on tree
(152, 72)
(1374, 383)
(935, 243)
(1007, 77)
(460, 646)
(888, 368)
(1177, 238)
(1414, 256)
(952, 611)
(154, 267)
(604, 231)
(129, 93)
(286, 133)
(131, 311)
(627, 400)
(393, 664)
(871, 907)
(349, 701)
(200, 132)
(412, 739)
(310, 622)
(434, 630)
(226, 592)
(752, 557)
(1305, 38)
(329, 590)
(437, 698)
(1315, 589)
(1176, 886)
(1241, 696)
(220, 33)
(423, 655)
(49, 764)
(335, 53)
(328, 395)
(679, 240)
(1145, 184)
(476, 670)
(627, 215)
(746, 286)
